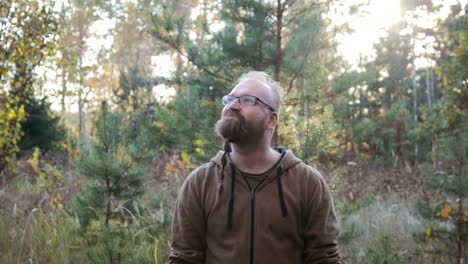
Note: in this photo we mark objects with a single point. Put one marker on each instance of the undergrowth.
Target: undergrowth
(32, 231)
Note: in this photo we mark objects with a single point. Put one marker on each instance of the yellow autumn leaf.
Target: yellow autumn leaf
(169, 169)
(121, 152)
(185, 157)
(11, 114)
(199, 151)
(21, 113)
(445, 212)
(158, 124)
(428, 232)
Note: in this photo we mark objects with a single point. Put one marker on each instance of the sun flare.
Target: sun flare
(384, 12)
(368, 27)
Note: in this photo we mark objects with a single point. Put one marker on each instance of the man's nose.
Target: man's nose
(234, 104)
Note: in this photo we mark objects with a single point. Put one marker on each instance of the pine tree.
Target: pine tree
(450, 178)
(447, 123)
(113, 179)
(41, 128)
(281, 38)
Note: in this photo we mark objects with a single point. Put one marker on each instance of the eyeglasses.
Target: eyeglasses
(245, 100)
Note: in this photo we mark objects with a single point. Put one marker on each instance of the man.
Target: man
(253, 203)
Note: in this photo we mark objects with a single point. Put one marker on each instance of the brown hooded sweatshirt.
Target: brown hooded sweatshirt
(288, 218)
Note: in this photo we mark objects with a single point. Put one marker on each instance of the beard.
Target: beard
(233, 128)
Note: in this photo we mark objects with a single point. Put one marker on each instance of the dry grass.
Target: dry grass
(34, 231)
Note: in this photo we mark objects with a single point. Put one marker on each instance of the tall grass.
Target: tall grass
(387, 231)
(39, 237)
(33, 232)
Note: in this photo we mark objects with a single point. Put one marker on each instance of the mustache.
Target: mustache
(232, 113)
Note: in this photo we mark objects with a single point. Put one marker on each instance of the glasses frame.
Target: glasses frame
(226, 100)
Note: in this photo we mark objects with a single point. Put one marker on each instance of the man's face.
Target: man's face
(245, 123)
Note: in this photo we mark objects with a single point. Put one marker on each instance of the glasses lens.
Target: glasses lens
(227, 99)
(247, 100)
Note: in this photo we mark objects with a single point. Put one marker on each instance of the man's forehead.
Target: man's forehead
(250, 86)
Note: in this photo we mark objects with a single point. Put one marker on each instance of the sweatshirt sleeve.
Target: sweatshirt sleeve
(188, 226)
(321, 225)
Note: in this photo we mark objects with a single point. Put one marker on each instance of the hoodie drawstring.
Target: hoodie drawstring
(279, 170)
(284, 210)
(231, 200)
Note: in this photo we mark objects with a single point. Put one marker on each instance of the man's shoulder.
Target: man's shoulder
(208, 166)
(202, 171)
(306, 172)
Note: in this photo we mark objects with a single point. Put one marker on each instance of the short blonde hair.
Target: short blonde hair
(263, 77)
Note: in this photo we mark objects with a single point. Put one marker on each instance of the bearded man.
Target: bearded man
(253, 203)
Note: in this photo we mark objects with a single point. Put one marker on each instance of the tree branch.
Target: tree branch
(299, 70)
(173, 45)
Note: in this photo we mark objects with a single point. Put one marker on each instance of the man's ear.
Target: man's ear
(273, 120)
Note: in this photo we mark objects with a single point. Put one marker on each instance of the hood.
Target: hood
(287, 161)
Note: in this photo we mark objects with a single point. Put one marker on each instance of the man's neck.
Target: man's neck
(254, 159)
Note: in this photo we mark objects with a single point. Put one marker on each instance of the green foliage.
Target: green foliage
(114, 244)
(446, 123)
(365, 131)
(312, 133)
(137, 136)
(267, 36)
(383, 252)
(248, 39)
(134, 93)
(49, 178)
(51, 235)
(374, 101)
(114, 179)
(186, 125)
(39, 237)
(28, 30)
(27, 39)
(41, 128)
(450, 181)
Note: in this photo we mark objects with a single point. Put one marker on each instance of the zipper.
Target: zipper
(252, 217)
(252, 224)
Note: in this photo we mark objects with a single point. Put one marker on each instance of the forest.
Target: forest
(106, 107)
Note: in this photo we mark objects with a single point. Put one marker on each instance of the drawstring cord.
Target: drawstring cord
(279, 170)
(284, 210)
(231, 200)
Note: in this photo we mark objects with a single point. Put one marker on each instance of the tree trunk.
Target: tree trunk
(81, 115)
(307, 151)
(340, 144)
(429, 104)
(279, 51)
(415, 117)
(109, 197)
(278, 59)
